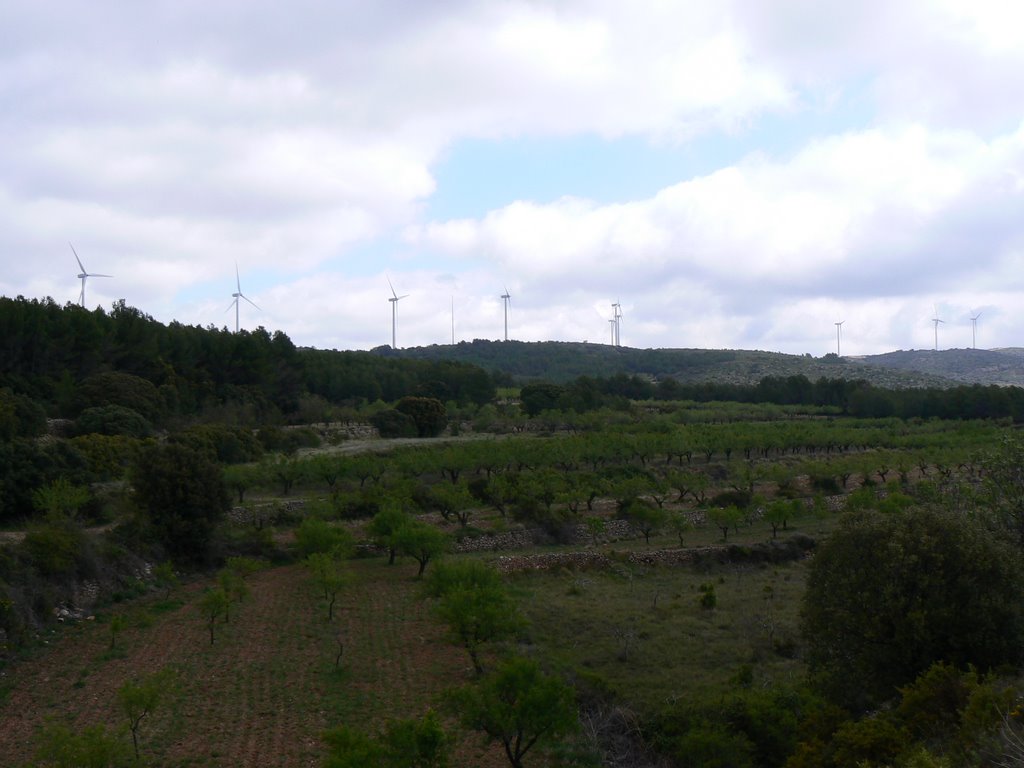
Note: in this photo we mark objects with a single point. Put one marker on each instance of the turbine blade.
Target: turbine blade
(76, 257)
(249, 300)
(391, 287)
(231, 305)
(238, 280)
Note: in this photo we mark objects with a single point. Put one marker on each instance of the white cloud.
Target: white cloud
(170, 139)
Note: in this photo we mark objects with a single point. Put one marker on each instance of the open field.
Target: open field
(263, 693)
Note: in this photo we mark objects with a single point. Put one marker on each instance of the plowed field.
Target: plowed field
(263, 693)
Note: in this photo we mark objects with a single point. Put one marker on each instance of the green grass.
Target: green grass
(642, 634)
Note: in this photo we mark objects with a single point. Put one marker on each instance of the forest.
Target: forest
(220, 549)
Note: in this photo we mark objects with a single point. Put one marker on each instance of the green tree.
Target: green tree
(329, 575)
(181, 493)
(383, 527)
(680, 524)
(212, 605)
(889, 594)
(519, 706)
(724, 518)
(427, 413)
(420, 541)
(315, 535)
(644, 516)
(165, 578)
(536, 398)
(140, 698)
(477, 611)
(61, 498)
(391, 423)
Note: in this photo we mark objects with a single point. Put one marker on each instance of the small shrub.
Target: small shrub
(708, 599)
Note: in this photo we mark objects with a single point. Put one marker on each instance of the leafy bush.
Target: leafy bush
(889, 594)
(391, 423)
(428, 414)
(57, 549)
(316, 536)
(112, 420)
(182, 496)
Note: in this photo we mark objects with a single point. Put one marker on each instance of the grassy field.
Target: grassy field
(651, 636)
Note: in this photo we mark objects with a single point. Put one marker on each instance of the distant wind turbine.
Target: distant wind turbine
(936, 322)
(617, 319)
(612, 322)
(506, 297)
(974, 330)
(453, 321)
(395, 298)
(238, 295)
(839, 333)
(83, 276)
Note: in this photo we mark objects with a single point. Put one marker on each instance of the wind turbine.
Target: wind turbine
(238, 295)
(617, 319)
(839, 329)
(506, 297)
(612, 322)
(936, 321)
(395, 298)
(83, 275)
(974, 330)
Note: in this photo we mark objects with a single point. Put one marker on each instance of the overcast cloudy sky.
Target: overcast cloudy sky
(739, 173)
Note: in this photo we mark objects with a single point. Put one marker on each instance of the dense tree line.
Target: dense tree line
(852, 397)
(69, 359)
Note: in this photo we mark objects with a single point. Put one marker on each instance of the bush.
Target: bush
(112, 420)
(318, 536)
(182, 496)
(391, 423)
(428, 414)
(58, 549)
(889, 594)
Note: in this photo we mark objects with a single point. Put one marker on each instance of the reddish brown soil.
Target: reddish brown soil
(265, 691)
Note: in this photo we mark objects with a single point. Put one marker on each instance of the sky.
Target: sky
(737, 174)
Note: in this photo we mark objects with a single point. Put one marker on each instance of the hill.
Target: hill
(965, 366)
(559, 362)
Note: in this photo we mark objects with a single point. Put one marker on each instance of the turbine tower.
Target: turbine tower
(395, 298)
(506, 297)
(617, 319)
(612, 325)
(839, 330)
(936, 322)
(83, 276)
(974, 330)
(238, 295)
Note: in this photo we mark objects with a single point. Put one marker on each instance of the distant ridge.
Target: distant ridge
(965, 366)
(560, 361)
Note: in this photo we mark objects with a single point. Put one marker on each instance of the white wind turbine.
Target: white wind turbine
(974, 330)
(936, 321)
(617, 320)
(612, 325)
(238, 295)
(506, 298)
(395, 298)
(83, 276)
(839, 333)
